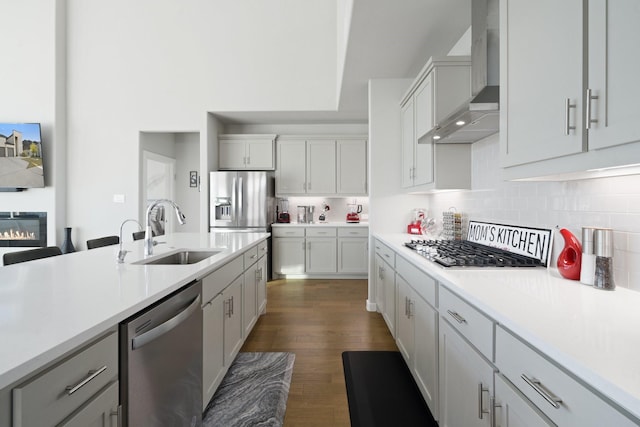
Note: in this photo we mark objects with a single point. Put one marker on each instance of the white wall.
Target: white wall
(32, 85)
(130, 70)
(187, 147)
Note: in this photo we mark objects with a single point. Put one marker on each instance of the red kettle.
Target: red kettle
(570, 258)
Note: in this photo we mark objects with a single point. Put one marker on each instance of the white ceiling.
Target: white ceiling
(387, 39)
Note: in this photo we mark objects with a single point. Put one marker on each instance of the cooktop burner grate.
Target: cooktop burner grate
(463, 253)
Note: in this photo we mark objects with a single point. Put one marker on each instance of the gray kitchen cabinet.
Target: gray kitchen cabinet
(261, 284)
(321, 165)
(582, 118)
(246, 152)
(386, 284)
(353, 250)
(73, 389)
(417, 328)
(101, 411)
(289, 250)
(306, 167)
(554, 392)
(233, 331)
(250, 298)
(466, 382)
(351, 167)
(512, 409)
(321, 255)
(213, 369)
(441, 86)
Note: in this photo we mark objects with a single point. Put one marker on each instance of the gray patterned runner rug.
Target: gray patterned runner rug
(253, 392)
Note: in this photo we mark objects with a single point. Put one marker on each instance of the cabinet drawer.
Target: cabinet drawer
(562, 398)
(321, 232)
(215, 282)
(388, 255)
(353, 232)
(421, 282)
(250, 257)
(287, 231)
(263, 248)
(473, 325)
(52, 396)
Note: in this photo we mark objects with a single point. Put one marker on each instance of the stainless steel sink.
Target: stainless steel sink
(180, 257)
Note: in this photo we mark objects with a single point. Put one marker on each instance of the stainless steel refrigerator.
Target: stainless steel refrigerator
(242, 201)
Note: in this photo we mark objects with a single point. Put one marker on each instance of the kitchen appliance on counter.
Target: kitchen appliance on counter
(489, 245)
(242, 200)
(161, 362)
(282, 211)
(353, 213)
(305, 214)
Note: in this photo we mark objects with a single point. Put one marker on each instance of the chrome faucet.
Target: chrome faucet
(148, 235)
(122, 253)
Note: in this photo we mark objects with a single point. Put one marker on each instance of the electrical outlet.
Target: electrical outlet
(118, 198)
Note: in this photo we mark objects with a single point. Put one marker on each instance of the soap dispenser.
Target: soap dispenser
(570, 258)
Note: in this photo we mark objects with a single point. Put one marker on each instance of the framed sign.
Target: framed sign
(193, 179)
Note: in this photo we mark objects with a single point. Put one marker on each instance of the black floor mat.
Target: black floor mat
(381, 391)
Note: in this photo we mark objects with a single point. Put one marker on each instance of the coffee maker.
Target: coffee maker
(353, 212)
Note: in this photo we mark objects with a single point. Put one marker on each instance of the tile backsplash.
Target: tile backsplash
(337, 207)
(603, 202)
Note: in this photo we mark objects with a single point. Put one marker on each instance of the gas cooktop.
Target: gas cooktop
(464, 253)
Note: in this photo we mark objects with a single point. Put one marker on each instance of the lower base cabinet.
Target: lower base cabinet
(466, 382)
(213, 353)
(512, 408)
(102, 411)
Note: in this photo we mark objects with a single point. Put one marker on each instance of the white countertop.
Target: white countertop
(50, 306)
(321, 224)
(592, 333)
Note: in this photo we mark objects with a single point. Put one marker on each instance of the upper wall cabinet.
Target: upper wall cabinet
(321, 165)
(246, 152)
(442, 86)
(569, 94)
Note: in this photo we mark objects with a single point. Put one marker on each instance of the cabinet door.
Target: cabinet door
(389, 283)
(232, 154)
(250, 299)
(404, 327)
(289, 255)
(291, 168)
(321, 167)
(322, 255)
(613, 72)
(466, 382)
(540, 71)
(259, 154)
(408, 143)
(379, 271)
(514, 410)
(425, 365)
(353, 256)
(101, 411)
(213, 318)
(424, 106)
(232, 320)
(262, 285)
(352, 167)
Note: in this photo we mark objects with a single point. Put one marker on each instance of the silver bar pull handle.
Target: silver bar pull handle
(457, 317)
(481, 390)
(240, 200)
(538, 387)
(70, 389)
(588, 119)
(567, 119)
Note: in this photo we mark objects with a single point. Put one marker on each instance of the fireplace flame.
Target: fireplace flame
(17, 235)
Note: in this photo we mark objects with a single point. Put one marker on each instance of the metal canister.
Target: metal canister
(603, 249)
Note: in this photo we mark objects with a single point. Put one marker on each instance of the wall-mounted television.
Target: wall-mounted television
(20, 156)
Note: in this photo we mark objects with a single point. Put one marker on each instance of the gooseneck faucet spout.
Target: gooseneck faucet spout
(148, 235)
(123, 253)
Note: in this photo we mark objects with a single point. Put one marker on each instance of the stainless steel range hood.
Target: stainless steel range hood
(479, 117)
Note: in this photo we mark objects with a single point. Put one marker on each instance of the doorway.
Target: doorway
(158, 179)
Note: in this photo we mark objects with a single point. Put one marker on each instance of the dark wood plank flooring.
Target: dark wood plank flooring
(318, 320)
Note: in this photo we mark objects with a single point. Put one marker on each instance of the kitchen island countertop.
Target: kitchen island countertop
(592, 333)
(50, 306)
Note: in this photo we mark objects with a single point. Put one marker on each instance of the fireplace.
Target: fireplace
(23, 229)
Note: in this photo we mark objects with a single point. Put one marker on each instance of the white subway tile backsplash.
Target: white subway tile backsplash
(606, 202)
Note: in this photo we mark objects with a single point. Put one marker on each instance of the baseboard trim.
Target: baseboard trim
(372, 306)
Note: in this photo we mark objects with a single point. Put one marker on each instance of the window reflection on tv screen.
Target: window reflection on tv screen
(21, 155)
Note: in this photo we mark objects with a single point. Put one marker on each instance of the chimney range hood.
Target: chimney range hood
(479, 117)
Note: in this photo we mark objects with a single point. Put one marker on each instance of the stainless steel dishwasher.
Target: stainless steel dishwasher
(161, 362)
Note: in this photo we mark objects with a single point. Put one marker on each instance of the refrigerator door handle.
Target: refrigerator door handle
(234, 206)
(240, 201)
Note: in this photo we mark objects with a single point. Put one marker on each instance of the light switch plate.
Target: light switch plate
(118, 198)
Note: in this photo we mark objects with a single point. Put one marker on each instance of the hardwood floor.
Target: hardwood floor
(318, 320)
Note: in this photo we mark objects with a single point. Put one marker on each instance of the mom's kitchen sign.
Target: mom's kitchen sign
(530, 242)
